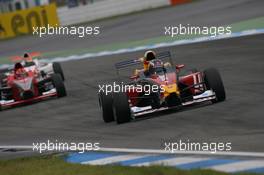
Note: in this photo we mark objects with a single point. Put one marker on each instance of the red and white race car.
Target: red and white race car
(24, 86)
(176, 90)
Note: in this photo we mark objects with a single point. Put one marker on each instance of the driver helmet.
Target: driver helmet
(19, 70)
(149, 55)
(27, 57)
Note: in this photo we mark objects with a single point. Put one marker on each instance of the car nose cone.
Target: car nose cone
(27, 95)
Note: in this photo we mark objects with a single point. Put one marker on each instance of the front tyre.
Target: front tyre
(214, 82)
(59, 85)
(58, 70)
(121, 108)
(106, 104)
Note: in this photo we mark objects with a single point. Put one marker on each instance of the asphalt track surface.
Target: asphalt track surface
(144, 25)
(77, 117)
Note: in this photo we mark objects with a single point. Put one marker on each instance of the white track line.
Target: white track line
(114, 159)
(239, 166)
(153, 151)
(173, 161)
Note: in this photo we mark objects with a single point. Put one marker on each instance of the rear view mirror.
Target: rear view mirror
(179, 66)
(134, 77)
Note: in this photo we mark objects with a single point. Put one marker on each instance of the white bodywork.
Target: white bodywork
(41, 66)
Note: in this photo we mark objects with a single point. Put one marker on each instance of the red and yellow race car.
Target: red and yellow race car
(161, 87)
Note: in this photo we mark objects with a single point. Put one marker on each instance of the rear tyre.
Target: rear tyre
(121, 108)
(58, 70)
(59, 85)
(106, 105)
(214, 82)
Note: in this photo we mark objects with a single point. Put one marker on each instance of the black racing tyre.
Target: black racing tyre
(106, 105)
(121, 108)
(214, 81)
(58, 70)
(59, 85)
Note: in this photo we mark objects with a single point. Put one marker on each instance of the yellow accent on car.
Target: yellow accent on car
(172, 88)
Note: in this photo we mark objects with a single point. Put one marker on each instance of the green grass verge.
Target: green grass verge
(55, 165)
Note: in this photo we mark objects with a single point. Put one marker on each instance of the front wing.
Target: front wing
(206, 96)
(4, 104)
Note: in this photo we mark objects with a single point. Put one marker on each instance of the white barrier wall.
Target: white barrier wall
(103, 9)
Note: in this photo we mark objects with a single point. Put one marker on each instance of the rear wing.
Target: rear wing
(128, 63)
(20, 58)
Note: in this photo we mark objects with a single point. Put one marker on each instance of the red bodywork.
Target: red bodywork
(12, 82)
(25, 84)
(192, 79)
(168, 80)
